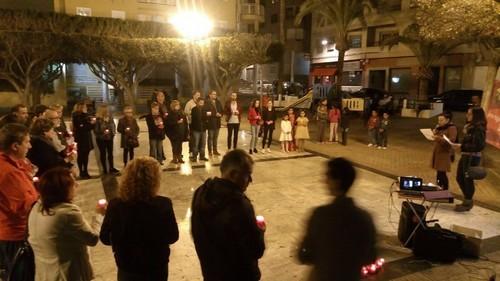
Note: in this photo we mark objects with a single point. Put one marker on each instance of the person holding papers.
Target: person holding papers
(441, 156)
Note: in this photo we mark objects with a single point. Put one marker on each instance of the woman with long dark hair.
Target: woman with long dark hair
(58, 233)
(83, 124)
(140, 225)
(472, 145)
(255, 120)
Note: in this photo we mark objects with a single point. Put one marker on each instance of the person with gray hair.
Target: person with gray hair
(228, 239)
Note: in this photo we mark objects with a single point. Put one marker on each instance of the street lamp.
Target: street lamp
(192, 25)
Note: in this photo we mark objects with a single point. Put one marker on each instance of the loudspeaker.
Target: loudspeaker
(408, 221)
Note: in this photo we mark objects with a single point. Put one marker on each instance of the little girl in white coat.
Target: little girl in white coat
(286, 133)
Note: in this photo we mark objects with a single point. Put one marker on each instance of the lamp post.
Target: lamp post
(192, 26)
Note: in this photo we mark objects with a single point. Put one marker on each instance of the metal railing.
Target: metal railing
(252, 9)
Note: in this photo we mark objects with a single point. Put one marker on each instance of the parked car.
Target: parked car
(375, 99)
(457, 100)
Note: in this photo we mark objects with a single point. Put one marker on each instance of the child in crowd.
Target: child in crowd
(129, 129)
(373, 126)
(382, 132)
(286, 133)
(334, 118)
(291, 116)
(156, 129)
(302, 130)
(105, 131)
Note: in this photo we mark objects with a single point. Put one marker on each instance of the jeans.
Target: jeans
(232, 130)
(321, 130)
(466, 184)
(213, 136)
(382, 138)
(191, 141)
(255, 136)
(334, 135)
(106, 149)
(128, 155)
(372, 136)
(268, 136)
(156, 149)
(8, 250)
(176, 149)
(199, 141)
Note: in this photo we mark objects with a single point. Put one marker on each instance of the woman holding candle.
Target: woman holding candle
(105, 131)
(129, 129)
(83, 124)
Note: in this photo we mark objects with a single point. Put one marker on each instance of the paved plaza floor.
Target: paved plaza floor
(286, 187)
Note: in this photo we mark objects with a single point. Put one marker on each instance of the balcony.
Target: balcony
(252, 12)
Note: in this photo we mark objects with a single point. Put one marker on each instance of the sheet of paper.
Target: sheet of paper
(428, 134)
(447, 139)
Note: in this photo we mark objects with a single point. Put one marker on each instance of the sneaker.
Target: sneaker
(268, 150)
(204, 159)
(216, 153)
(369, 145)
(192, 159)
(379, 147)
(385, 147)
(255, 150)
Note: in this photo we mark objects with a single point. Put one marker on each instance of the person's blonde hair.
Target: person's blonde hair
(103, 111)
(173, 104)
(56, 107)
(140, 180)
(79, 106)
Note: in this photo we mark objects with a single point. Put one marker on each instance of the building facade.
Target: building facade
(369, 64)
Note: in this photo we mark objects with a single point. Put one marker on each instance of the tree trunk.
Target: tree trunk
(129, 95)
(340, 76)
(423, 88)
(488, 86)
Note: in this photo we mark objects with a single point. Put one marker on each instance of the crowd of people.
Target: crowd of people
(38, 185)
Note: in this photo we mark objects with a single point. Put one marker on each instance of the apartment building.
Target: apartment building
(368, 64)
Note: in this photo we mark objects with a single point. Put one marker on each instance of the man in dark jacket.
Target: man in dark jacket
(198, 129)
(18, 114)
(227, 238)
(340, 237)
(214, 111)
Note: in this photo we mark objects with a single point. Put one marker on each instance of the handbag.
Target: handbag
(23, 266)
(475, 172)
(132, 142)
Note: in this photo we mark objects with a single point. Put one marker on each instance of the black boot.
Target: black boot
(466, 205)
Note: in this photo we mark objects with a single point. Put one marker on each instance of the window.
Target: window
(354, 41)
(393, 5)
(83, 11)
(118, 14)
(289, 13)
(142, 17)
(274, 18)
(385, 35)
(352, 78)
(250, 28)
(452, 78)
(399, 80)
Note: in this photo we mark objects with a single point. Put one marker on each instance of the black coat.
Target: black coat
(175, 130)
(226, 237)
(474, 139)
(123, 124)
(140, 233)
(213, 122)
(199, 120)
(156, 132)
(100, 129)
(269, 116)
(82, 131)
(45, 156)
(340, 239)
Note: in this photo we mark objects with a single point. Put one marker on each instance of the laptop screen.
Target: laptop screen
(410, 183)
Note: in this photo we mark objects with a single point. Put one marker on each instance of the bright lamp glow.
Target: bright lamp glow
(192, 24)
(395, 79)
(324, 42)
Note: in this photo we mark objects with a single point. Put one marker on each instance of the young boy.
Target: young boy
(373, 126)
(382, 132)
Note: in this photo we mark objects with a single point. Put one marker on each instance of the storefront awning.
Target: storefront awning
(323, 71)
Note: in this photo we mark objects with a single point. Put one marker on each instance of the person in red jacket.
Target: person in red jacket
(232, 110)
(334, 119)
(17, 192)
(373, 126)
(255, 120)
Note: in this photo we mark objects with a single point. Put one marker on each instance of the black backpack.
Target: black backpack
(437, 244)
